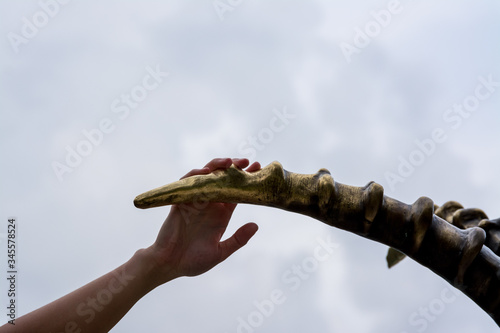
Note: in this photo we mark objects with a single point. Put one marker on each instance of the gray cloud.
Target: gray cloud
(226, 77)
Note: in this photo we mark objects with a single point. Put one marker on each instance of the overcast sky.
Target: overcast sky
(404, 93)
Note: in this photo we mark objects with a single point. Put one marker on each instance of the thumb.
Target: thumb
(236, 241)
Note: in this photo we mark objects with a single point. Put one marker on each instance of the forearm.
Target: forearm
(97, 306)
(185, 246)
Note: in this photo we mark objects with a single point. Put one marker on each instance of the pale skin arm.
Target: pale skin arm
(188, 244)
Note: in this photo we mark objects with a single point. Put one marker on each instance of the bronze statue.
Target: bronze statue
(460, 245)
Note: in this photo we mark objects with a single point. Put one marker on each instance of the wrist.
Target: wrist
(153, 272)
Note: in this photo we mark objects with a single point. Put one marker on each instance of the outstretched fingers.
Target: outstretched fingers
(223, 163)
(216, 163)
(238, 240)
(195, 172)
(254, 167)
(219, 163)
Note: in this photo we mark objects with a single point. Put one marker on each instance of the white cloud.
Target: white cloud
(226, 77)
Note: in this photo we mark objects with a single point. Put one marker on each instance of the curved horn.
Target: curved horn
(455, 254)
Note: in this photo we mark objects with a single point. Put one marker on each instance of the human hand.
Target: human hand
(188, 243)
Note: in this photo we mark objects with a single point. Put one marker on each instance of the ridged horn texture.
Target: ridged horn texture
(457, 254)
